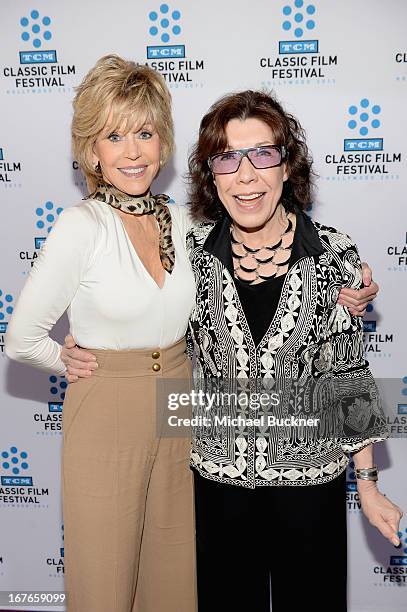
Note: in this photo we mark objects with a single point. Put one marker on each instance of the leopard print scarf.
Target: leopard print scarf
(136, 205)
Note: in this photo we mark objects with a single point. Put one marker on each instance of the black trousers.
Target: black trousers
(293, 537)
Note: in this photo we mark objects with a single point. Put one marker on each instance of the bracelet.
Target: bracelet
(367, 473)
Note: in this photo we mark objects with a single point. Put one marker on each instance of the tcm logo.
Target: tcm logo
(369, 326)
(401, 559)
(351, 485)
(402, 407)
(165, 28)
(36, 33)
(1, 155)
(6, 308)
(15, 462)
(362, 120)
(298, 20)
(62, 549)
(57, 389)
(45, 219)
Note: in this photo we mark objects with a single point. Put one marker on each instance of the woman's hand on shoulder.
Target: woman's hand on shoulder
(357, 300)
(380, 511)
(78, 362)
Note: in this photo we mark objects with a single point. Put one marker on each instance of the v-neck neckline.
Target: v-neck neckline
(134, 251)
(261, 291)
(276, 317)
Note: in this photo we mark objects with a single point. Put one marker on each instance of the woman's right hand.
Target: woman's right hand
(78, 362)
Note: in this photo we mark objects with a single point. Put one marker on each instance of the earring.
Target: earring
(98, 168)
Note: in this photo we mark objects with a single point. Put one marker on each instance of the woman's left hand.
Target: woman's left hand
(357, 300)
(380, 511)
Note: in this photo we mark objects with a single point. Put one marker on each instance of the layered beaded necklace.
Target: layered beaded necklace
(253, 255)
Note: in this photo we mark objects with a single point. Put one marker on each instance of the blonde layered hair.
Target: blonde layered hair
(126, 94)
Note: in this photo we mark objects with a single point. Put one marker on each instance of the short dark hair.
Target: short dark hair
(287, 131)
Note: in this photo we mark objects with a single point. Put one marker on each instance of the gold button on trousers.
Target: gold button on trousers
(127, 489)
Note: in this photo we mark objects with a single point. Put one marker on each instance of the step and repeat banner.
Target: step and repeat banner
(341, 67)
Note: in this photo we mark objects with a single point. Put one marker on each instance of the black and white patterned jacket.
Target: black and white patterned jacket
(310, 338)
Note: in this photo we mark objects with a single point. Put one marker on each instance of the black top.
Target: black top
(259, 303)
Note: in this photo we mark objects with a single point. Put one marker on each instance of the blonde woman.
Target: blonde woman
(117, 264)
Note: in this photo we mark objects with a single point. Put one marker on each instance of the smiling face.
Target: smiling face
(250, 195)
(129, 160)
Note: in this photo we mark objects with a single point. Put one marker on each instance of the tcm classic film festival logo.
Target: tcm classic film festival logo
(10, 170)
(6, 310)
(17, 486)
(363, 155)
(37, 68)
(397, 255)
(377, 342)
(48, 421)
(167, 52)
(56, 563)
(398, 424)
(45, 217)
(298, 58)
(352, 496)
(394, 573)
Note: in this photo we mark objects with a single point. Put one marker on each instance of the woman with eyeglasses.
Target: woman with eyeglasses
(270, 489)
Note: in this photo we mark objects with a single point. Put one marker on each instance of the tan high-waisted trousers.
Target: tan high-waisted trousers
(127, 491)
